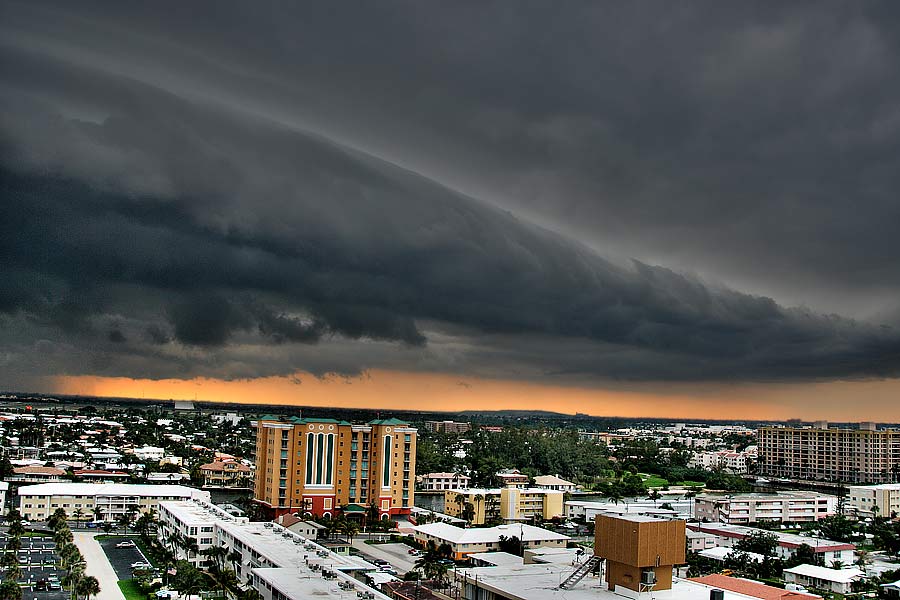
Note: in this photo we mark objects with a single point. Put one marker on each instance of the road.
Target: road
(98, 566)
(396, 554)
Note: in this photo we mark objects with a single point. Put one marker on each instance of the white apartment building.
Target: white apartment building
(870, 500)
(839, 581)
(793, 507)
(485, 539)
(277, 563)
(4, 488)
(149, 453)
(827, 551)
(697, 541)
(728, 460)
(554, 482)
(432, 482)
(820, 453)
(588, 510)
(187, 520)
(100, 501)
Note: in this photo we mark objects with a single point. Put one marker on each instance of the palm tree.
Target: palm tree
(98, 513)
(614, 493)
(215, 555)
(15, 528)
(73, 577)
(87, 587)
(461, 502)
(13, 572)
(350, 529)
(78, 514)
(10, 590)
(123, 521)
(190, 546)
(227, 580)
(57, 519)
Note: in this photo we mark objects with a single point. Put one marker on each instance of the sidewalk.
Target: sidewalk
(98, 566)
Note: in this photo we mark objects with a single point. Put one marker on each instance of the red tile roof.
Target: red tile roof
(38, 470)
(220, 466)
(751, 588)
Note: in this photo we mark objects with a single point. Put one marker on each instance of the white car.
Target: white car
(125, 544)
(141, 565)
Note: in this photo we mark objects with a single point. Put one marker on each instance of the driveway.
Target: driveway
(98, 566)
(396, 554)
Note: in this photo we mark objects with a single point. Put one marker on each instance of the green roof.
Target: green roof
(391, 421)
(269, 418)
(314, 420)
(354, 508)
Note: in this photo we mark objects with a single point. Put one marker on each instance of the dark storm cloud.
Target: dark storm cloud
(168, 212)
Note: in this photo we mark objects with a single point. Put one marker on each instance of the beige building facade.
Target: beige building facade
(822, 453)
(320, 466)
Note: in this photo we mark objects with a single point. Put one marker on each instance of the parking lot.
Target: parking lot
(396, 554)
(37, 561)
(121, 559)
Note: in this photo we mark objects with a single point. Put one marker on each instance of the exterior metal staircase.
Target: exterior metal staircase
(580, 572)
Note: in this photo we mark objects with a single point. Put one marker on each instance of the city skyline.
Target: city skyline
(676, 212)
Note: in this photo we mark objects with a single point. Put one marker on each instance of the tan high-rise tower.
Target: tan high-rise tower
(324, 466)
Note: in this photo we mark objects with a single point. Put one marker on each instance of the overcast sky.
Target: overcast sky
(578, 194)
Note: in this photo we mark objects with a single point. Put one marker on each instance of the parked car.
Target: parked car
(379, 562)
(141, 565)
(125, 544)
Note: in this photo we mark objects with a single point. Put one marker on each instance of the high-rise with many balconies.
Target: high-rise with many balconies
(326, 466)
(823, 453)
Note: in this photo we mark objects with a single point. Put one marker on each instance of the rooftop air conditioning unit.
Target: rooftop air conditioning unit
(268, 525)
(648, 577)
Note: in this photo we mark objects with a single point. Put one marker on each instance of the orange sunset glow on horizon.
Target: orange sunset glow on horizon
(448, 393)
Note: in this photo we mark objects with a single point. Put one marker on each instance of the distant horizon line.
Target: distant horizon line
(45, 395)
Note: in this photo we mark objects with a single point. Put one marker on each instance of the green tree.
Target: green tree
(87, 587)
(836, 527)
(10, 590)
(79, 515)
(13, 572)
(57, 519)
(188, 579)
(511, 544)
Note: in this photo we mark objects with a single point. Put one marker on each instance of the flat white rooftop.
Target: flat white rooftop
(112, 489)
(482, 535)
(541, 582)
(304, 584)
(189, 513)
(283, 551)
(790, 540)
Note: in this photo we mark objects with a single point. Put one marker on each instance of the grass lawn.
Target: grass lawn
(691, 483)
(130, 590)
(653, 480)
